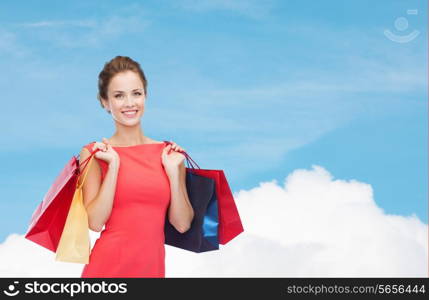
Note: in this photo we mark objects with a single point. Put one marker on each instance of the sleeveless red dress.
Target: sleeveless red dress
(132, 242)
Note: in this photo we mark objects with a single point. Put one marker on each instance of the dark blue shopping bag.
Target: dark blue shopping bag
(202, 236)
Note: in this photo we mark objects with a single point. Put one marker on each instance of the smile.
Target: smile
(130, 113)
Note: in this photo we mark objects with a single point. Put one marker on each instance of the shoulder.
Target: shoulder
(86, 151)
(88, 146)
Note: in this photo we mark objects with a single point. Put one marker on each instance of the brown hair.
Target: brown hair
(113, 67)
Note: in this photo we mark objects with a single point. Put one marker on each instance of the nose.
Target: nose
(129, 101)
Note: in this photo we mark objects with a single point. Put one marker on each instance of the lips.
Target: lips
(130, 113)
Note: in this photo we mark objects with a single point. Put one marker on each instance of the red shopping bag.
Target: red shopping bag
(229, 219)
(48, 220)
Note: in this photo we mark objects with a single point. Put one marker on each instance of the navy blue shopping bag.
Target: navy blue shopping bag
(202, 236)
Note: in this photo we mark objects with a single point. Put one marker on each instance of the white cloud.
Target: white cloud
(312, 226)
(22, 258)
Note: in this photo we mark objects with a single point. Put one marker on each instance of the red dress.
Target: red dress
(132, 243)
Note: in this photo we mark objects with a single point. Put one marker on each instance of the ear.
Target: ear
(106, 104)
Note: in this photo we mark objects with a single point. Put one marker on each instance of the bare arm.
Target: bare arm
(98, 196)
(180, 212)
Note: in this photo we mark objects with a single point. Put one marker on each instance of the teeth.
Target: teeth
(130, 112)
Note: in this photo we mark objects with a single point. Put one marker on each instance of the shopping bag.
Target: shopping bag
(229, 219)
(202, 235)
(48, 219)
(74, 245)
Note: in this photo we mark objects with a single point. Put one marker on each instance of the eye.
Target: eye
(137, 93)
(118, 95)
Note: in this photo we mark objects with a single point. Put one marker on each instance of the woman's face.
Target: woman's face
(126, 98)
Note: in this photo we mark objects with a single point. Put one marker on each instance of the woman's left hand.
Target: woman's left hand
(172, 158)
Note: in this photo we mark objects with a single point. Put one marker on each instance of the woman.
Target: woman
(133, 183)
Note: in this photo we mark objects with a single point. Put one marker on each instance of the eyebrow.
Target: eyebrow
(132, 90)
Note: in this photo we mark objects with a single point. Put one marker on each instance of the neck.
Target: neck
(128, 136)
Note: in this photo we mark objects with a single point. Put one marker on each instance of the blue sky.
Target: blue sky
(256, 88)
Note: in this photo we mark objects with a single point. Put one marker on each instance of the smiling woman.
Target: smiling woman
(133, 184)
(135, 76)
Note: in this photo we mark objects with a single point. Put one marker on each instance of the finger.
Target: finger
(102, 146)
(96, 146)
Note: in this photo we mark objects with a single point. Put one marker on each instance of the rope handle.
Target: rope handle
(85, 168)
(85, 172)
(189, 160)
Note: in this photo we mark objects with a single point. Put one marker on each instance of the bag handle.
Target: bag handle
(84, 172)
(189, 160)
(86, 160)
(85, 169)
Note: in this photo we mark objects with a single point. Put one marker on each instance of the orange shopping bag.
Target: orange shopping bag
(74, 244)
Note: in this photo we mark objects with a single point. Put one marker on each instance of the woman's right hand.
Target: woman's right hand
(106, 153)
